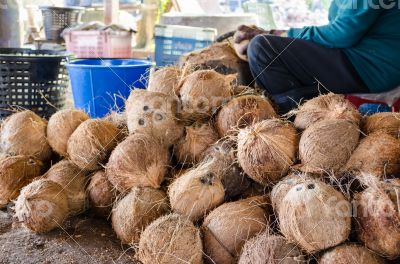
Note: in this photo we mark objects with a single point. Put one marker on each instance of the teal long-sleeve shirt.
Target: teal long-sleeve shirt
(368, 32)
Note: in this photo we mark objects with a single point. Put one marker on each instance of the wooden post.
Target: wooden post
(111, 9)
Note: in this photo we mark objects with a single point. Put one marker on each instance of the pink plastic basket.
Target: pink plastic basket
(99, 44)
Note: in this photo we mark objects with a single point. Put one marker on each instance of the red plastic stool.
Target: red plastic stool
(390, 98)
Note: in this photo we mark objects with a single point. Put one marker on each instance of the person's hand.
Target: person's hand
(242, 39)
(279, 32)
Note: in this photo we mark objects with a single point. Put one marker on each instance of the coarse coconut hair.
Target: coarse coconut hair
(171, 239)
(241, 112)
(42, 206)
(101, 194)
(314, 216)
(383, 122)
(139, 160)
(165, 80)
(350, 253)
(267, 149)
(136, 211)
(325, 107)
(119, 120)
(61, 126)
(24, 133)
(15, 173)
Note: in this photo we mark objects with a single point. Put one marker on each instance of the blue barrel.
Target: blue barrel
(102, 85)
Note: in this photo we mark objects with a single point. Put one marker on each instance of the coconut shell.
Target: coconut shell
(314, 216)
(350, 254)
(61, 126)
(139, 160)
(241, 112)
(197, 139)
(15, 173)
(383, 122)
(327, 145)
(101, 194)
(267, 149)
(377, 154)
(153, 114)
(92, 142)
(165, 80)
(24, 133)
(229, 226)
(73, 180)
(136, 211)
(42, 206)
(171, 239)
(326, 107)
(196, 192)
(270, 249)
(378, 219)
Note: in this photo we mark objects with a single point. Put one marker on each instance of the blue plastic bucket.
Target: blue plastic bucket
(101, 85)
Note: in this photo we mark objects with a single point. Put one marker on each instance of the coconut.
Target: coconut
(136, 211)
(92, 142)
(42, 206)
(378, 218)
(327, 145)
(165, 80)
(326, 107)
(153, 114)
(198, 137)
(377, 154)
(314, 216)
(73, 180)
(229, 226)
(383, 122)
(349, 254)
(101, 194)
(241, 112)
(203, 92)
(61, 126)
(137, 161)
(171, 239)
(270, 249)
(197, 192)
(24, 133)
(267, 149)
(15, 173)
(118, 119)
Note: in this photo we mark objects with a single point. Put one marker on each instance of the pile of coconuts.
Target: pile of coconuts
(194, 171)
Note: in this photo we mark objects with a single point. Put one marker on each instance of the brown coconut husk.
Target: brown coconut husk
(119, 120)
(326, 146)
(136, 211)
(378, 218)
(92, 142)
(383, 122)
(61, 126)
(325, 107)
(203, 92)
(165, 80)
(15, 173)
(24, 133)
(241, 112)
(270, 249)
(73, 180)
(378, 154)
(229, 226)
(267, 149)
(139, 160)
(171, 239)
(197, 192)
(42, 206)
(314, 216)
(350, 254)
(198, 137)
(153, 114)
(101, 194)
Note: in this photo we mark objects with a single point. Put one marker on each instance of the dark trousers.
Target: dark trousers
(291, 70)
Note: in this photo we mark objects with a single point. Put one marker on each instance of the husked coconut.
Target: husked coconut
(171, 239)
(383, 122)
(139, 160)
(101, 194)
(241, 112)
(61, 126)
(42, 206)
(154, 114)
(165, 80)
(24, 133)
(15, 173)
(118, 119)
(136, 211)
(350, 254)
(267, 149)
(91, 143)
(326, 107)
